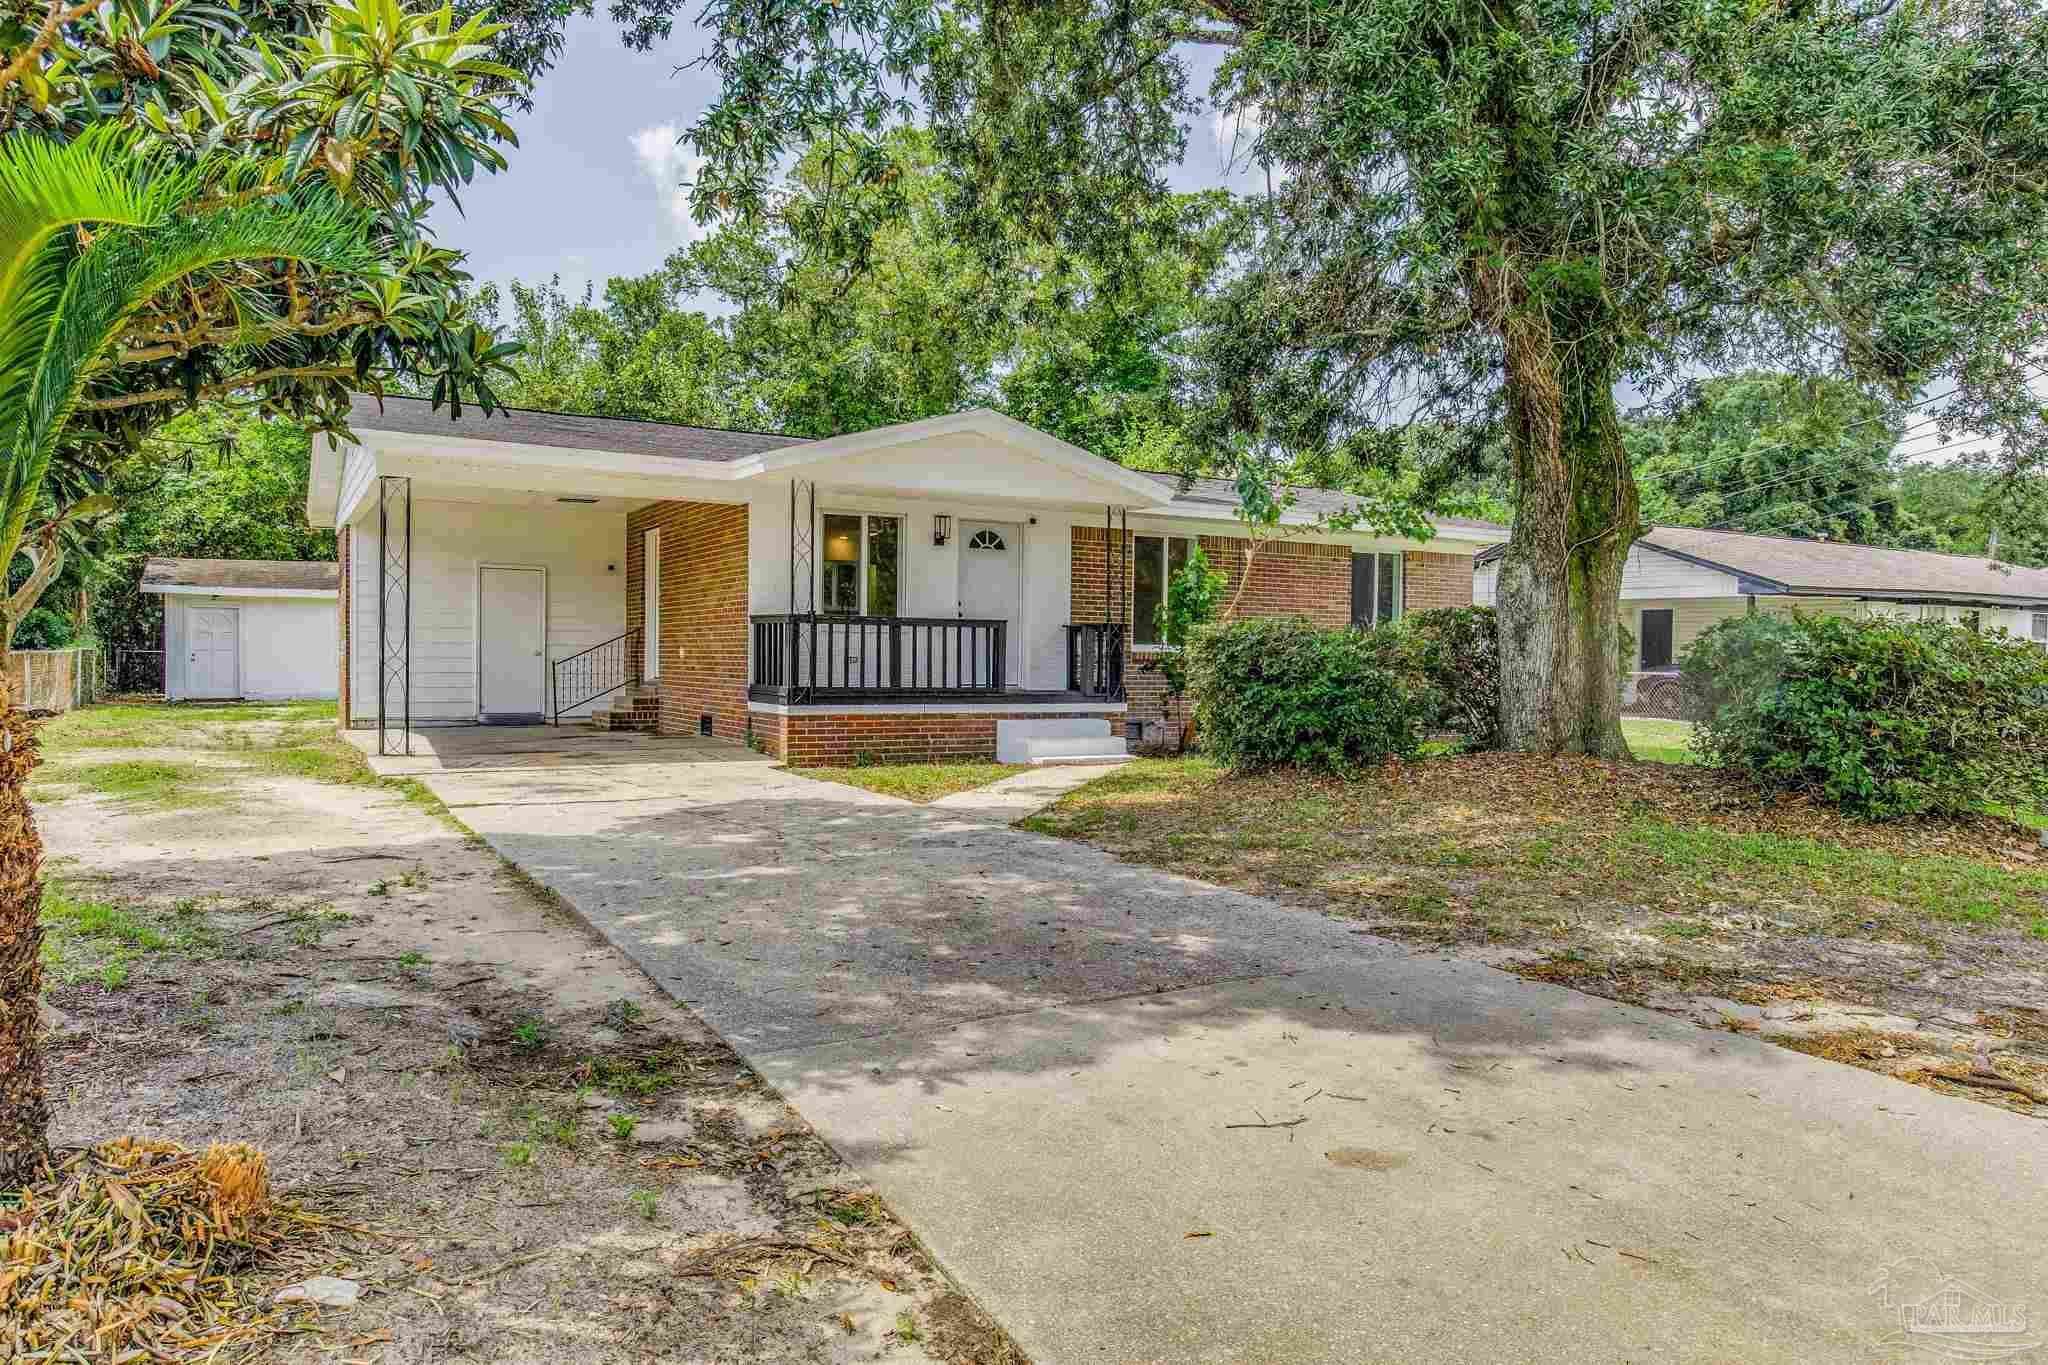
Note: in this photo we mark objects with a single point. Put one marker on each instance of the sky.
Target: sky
(595, 187)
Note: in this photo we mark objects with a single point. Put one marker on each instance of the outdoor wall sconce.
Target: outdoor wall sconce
(942, 529)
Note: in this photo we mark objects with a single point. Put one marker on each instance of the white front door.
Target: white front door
(213, 652)
(650, 604)
(991, 566)
(512, 662)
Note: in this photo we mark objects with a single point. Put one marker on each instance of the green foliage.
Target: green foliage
(1192, 598)
(1774, 454)
(1450, 658)
(214, 484)
(1284, 692)
(1885, 717)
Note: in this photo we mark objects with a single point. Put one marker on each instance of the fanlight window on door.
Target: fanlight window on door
(985, 540)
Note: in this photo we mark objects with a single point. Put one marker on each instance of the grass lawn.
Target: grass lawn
(920, 782)
(1659, 741)
(195, 755)
(1663, 884)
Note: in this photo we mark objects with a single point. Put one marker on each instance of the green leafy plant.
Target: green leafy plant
(1451, 657)
(531, 1033)
(1885, 717)
(622, 1125)
(648, 1202)
(1286, 692)
(1193, 596)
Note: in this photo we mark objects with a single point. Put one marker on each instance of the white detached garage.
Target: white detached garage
(264, 629)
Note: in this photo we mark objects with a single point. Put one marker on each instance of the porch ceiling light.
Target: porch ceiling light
(575, 499)
(942, 529)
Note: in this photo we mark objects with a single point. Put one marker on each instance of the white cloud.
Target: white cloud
(1235, 130)
(669, 168)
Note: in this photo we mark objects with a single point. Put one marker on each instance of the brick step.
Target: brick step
(635, 708)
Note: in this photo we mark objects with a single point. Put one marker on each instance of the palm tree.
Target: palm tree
(90, 231)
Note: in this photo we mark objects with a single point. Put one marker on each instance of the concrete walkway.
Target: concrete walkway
(1145, 1119)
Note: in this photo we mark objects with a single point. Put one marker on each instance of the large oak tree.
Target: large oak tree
(1485, 215)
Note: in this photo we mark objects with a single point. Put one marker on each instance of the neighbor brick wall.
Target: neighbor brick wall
(1288, 578)
(839, 739)
(1435, 580)
(341, 613)
(703, 647)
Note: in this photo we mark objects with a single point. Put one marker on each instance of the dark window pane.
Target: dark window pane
(1362, 589)
(1148, 589)
(1387, 576)
(839, 590)
(883, 555)
(1656, 643)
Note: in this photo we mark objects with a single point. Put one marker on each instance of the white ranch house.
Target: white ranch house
(913, 591)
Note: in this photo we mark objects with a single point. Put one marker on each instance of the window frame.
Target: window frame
(862, 563)
(2040, 628)
(1166, 540)
(1379, 560)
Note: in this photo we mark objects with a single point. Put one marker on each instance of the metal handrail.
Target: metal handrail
(804, 656)
(596, 672)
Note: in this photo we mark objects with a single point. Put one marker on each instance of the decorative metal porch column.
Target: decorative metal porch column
(803, 496)
(394, 612)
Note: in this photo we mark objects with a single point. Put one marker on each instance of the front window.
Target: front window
(1154, 562)
(2041, 628)
(1375, 589)
(860, 568)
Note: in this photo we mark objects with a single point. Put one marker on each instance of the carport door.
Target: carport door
(512, 667)
(213, 652)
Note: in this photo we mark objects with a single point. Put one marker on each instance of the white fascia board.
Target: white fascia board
(573, 459)
(1443, 543)
(194, 590)
(323, 483)
(977, 421)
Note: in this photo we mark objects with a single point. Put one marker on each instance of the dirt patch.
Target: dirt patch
(1663, 885)
(1366, 1159)
(540, 1156)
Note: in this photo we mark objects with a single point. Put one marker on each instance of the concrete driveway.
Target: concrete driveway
(1145, 1119)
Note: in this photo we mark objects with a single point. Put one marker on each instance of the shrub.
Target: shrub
(1450, 658)
(1286, 692)
(1885, 717)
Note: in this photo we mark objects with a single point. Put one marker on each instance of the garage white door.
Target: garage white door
(213, 660)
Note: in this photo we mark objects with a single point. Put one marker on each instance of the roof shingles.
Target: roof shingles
(562, 430)
(252, 575)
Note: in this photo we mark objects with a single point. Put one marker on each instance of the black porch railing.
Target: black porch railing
(813, 657)
(597, 672)
(1095, 660)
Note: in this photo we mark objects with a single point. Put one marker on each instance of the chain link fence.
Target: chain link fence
(53, 680)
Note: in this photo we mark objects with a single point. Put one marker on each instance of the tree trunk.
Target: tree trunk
(24, 1105)
(1576, 515)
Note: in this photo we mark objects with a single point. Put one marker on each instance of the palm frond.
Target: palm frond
(122, 271)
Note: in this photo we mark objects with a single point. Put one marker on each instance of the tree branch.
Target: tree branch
(221, 390)
(59, 15)
(249, 336)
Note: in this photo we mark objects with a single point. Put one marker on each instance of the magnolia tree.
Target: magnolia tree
(1483, 218)
(199, 203)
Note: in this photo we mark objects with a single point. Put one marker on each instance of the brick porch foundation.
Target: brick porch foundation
(819, 738)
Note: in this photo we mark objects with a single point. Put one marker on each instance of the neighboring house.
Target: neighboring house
(263, 629)
(896, 592)
(1679, 580)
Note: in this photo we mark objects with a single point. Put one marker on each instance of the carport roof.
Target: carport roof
(563, 430)
(241, 575)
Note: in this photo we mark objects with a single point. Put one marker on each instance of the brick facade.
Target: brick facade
(1288, 578)
(1435, 580)
(839, 739)
(703, 646)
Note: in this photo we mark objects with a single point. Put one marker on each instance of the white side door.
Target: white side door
(213, 652)
(512, 648)
(991, 563)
